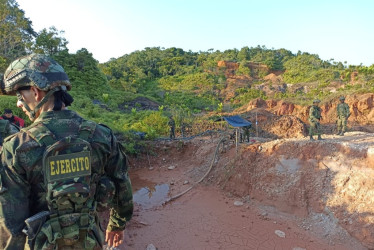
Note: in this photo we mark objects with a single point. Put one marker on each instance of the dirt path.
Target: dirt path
(206, 218)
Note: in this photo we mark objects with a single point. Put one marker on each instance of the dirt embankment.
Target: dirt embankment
(361, 108)
(326, 187)
(332, 180)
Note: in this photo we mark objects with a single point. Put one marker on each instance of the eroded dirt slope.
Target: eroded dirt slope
(321, 191)
(333, 178)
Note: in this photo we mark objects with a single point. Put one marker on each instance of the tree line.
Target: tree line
(183, 83)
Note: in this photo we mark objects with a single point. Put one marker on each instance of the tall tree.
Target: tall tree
(49, 42)
(243, 54)
(16, 32)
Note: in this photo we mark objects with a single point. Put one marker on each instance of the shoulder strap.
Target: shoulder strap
(41, 134)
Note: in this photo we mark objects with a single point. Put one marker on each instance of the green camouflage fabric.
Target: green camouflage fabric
(246, 133)
(314, 117)
(7, 129)
(342, 111)
(35, 70)
(171, 124)
(105, 194)
(22, 188)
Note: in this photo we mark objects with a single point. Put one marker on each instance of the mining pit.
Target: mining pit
(289, 193)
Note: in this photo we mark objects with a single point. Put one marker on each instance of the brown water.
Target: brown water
(151, 196)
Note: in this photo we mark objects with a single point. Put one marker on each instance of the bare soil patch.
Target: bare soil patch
(266, 194)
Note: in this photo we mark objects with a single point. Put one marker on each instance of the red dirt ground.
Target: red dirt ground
(205, 218)
(295, 194)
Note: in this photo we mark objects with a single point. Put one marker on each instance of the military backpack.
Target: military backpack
(70, 191)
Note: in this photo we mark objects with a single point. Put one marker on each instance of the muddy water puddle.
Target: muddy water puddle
(151, 196)
(148, 194)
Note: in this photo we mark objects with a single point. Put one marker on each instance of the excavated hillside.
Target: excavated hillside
(281, 190)
(361, 108)
(332, 180)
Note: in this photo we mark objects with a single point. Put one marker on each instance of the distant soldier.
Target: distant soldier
(314, 118)
(246, 133)
(342, 112)
(183, 129)
(171, 124)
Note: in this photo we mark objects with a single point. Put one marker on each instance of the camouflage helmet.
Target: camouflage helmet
(36, 70)
(342, 98)
(316, 101)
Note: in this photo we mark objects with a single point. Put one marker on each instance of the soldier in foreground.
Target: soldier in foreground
(58, 173)
(342, 112)
(314, 118)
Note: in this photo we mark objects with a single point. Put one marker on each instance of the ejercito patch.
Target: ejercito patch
(68, 166)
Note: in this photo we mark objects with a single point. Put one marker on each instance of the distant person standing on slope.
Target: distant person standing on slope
(342, 112)
(171, 124)
(246, 133)
(314, 118)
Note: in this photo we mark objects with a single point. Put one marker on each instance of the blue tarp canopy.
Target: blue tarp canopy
(237, 121)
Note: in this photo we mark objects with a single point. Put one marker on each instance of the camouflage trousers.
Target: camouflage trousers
(172, 133)
(315, 128)
(341, 124)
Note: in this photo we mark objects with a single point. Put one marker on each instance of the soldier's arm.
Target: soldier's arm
(14, 203)
(117, 168)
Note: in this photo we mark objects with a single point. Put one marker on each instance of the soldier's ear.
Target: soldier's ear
(38, 94)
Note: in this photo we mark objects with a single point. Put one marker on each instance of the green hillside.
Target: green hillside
(138, 91)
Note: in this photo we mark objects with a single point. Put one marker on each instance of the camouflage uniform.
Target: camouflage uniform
(314, 118)
(6, 129)
(343, 113)
(183, 129)
(23, 185)
(171, 124)
(246, 133)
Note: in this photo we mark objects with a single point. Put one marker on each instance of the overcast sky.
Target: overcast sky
(340, 30)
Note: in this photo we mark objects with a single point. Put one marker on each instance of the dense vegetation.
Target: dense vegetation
(184, 84)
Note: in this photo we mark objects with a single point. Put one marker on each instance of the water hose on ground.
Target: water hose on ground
(201, 179)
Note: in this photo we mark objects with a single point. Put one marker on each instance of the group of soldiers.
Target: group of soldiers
(315, 116)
